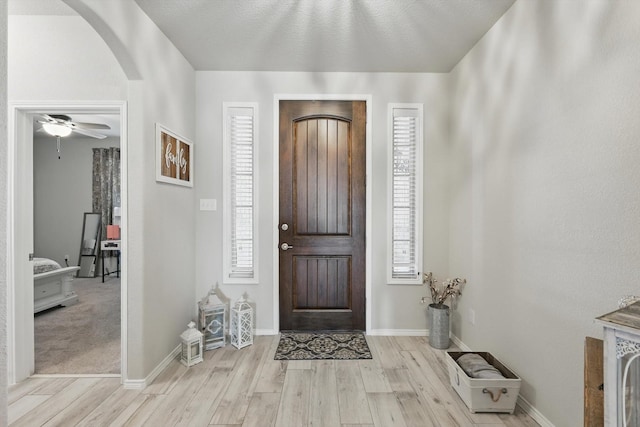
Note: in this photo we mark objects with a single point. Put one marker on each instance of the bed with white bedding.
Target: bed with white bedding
(52, 284)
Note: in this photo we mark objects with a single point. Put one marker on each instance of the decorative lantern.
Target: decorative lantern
(212, 315)
(241, 330)
(191, 345)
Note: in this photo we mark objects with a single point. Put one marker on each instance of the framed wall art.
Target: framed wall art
(174, 158)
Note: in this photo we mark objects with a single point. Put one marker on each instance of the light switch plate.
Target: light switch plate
(208, 204)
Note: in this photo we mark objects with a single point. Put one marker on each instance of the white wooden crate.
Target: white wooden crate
(484, 395)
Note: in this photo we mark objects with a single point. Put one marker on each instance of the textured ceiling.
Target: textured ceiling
(325, 35)
(314, 35)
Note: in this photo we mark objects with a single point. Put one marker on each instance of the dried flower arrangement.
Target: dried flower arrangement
(440, 293)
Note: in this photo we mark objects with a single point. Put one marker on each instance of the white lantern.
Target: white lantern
(212, 316)
(191, 345)
(241, 330)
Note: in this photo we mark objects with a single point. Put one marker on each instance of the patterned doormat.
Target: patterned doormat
(322, 345)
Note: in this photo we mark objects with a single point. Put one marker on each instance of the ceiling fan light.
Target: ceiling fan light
(56, 129)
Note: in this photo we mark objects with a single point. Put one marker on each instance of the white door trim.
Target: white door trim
(276, 193)
(20, 357)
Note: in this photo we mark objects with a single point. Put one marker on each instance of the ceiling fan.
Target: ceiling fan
(61, 125)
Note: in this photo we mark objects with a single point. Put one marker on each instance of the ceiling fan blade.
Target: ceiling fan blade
(90, 133)
(47, 119)
(90, 125)
(61, 118)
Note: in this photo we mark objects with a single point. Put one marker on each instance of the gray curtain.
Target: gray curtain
(106, 184)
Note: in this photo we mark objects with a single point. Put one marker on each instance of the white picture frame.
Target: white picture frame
(174, 157)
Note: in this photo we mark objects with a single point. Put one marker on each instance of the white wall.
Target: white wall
(544, 188)
(161, 253)
(86, 71)
(543, 166)
(62, 193)
(393, 307)
(160, 250)
(3, 214)
(91, 74)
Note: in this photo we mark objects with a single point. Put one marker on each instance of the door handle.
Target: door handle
(285, 246)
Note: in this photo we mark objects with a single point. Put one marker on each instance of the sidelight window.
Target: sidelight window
(405, 194)
(239, 179)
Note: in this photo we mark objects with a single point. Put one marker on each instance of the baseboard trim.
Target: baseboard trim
(134, 384)
(523, 403)
(75, 376)
(266, 332)
(530, 410)
(462, 346)
(163, 365)
(399, 332)
(142, 384)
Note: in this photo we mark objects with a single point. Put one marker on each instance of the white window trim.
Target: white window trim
(226, 182)
(419, 195)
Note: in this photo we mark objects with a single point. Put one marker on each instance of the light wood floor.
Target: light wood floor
(406, 384)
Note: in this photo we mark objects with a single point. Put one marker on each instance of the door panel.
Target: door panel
(322, 171)
(321, 283)
(322, 203)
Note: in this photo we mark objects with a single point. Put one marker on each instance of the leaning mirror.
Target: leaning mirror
(89, 245)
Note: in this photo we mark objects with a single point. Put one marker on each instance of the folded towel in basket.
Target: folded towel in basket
(475, 366)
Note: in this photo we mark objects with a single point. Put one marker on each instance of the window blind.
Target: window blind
(241, 196)
(405, 192)
(240, 212)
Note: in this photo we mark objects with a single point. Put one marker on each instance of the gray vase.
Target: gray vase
(439, 325)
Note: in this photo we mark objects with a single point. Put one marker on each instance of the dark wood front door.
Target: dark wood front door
(322, 215)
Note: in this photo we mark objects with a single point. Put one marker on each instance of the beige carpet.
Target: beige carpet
(83, 338)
